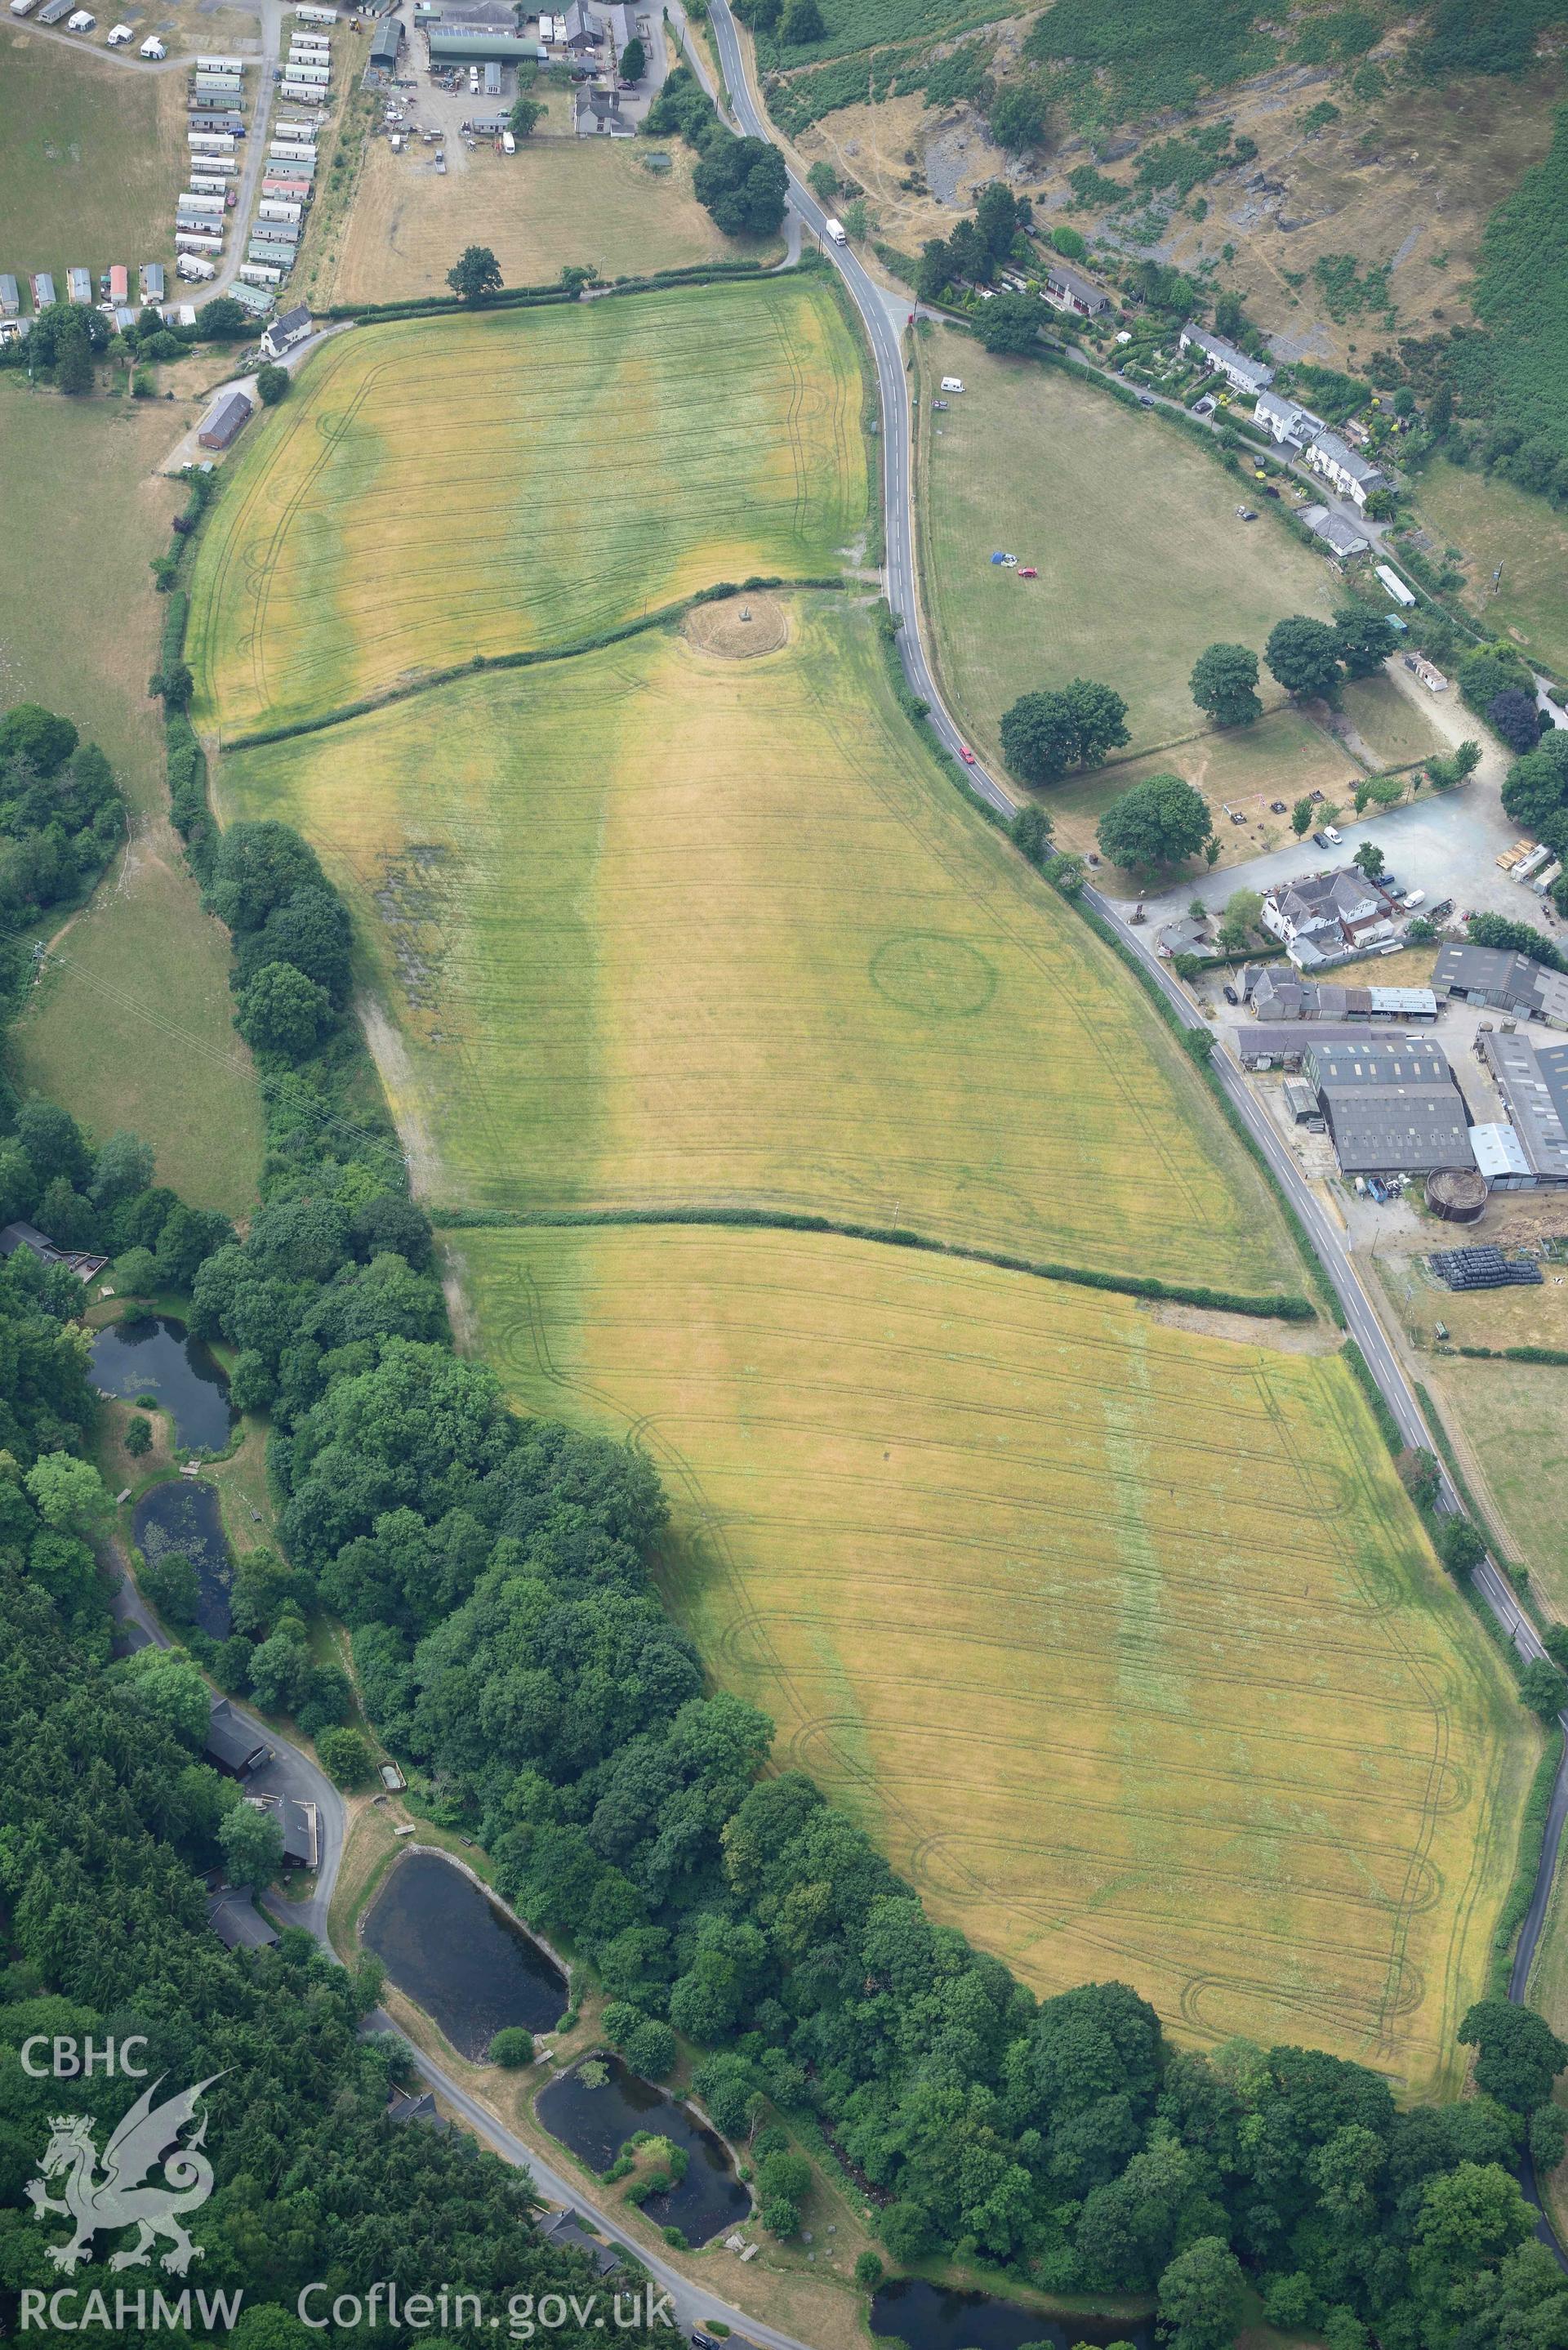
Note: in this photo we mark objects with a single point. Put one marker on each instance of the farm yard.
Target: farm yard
(92, 154)
(1142, 561)
(586, 202)
(663, 926)
(133, 1022)
(455, 487)
(1291, 1815)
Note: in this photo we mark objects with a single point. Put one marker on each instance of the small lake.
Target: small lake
(153, 1354)
(183, 1515)
(929, 2317)
(596, 2122)
(459, 1957)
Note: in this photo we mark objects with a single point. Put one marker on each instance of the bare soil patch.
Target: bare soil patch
(1245, 1329)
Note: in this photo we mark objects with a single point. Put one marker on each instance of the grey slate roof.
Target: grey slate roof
(1503, 975)
(1534, 1082)
(1371, 1060)
(1398, 1129)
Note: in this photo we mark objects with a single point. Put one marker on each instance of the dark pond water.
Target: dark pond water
(458, 1956)
(596, 2122)
(183, 1515)
(151, 1354)
(927, 2318)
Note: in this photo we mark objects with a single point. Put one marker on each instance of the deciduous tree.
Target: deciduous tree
(475, 275)
(1224, 681)
(1303, 655)
(1158, 822)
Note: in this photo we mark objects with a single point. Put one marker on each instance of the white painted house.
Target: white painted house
(1245, 374)
(1286, 421)
(1354, 476)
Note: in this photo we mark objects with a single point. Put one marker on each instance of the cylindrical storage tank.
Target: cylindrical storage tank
(1457, 1194)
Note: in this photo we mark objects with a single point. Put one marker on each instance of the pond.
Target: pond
(596, 2122)
(459, 1957)
(152, 1355)
(183, 1515)
(929, 2317)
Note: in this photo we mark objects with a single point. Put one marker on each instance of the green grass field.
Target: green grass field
(1492, 523)
(454, 487)
(675, 927)
(1515, 1418)
(960, 1533)
(1133, 530)
(132, 1025)
(91, 157)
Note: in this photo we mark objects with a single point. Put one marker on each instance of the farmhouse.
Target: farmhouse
(1391, 1108)
(290, 326)
(1355, 477)
(224, 420)
(1247, 375)
(416, 2106)
(233, 1746)
(1334, 914)
(565, 2228)
(597, 112)
(1286, 421)
(1499, 977)
(1188, 935)
(1531, 1081)
(1341, 537)
(1064, 289)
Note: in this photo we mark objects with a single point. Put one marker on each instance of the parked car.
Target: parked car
(1230, 994)
(1321, 840)
(1330, 835)
(1412, 898)
(1146, 399)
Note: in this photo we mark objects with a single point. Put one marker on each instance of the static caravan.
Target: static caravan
(78, 286)
(204, 183)
(299, 91)
(151, 276)
(194, 265)
(119, 282)
(10, 297)
(261, 273)
(279, 208)
(221, 65)
(218, 144)
(263, 248)
(322, 41)
(23, 8)
(43, 290)
(191, 241)
(192, 200)
(316, 15)
(287, 191)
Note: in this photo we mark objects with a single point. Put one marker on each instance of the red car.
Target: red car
(966, 754)
(1029, 572)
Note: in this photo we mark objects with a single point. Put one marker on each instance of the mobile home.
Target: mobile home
(261, 273)
(78, 284)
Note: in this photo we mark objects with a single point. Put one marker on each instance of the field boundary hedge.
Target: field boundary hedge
(529, 298)
(535, 657)
(1225, 1301)
(1527, 1865)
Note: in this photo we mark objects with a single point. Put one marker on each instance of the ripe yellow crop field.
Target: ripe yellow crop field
(661, 928)
(1122, 1640)
(453, 486)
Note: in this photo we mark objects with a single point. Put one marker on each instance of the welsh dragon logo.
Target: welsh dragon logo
(146, 2137)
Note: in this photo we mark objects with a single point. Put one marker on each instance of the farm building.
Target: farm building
(238, 1924)
(1499, 1160)
(290, 326)
(300, 1824)
(232, 1745)
(1286, 421)
(1532, 1082)
(473, 45)
(1282, 1048)
(1224, 358)
(1274, 994)
(224, 420)
(1505, 980)
(1065, 289)
(589, 22)
(1392, 1107)
(1354, 476)
(388, 40)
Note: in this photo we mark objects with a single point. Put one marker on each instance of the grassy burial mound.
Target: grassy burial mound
(454, 487)
(664, 929)
(1121, 1639)
(1134, 532)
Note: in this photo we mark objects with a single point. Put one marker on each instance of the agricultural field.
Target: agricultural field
(1142, 561)
(1513, 1421)
(446, 488)
(132, 1023)
(1290, 1812)
(1494, 525)
(92, 155)
(660, 926)
(586, 202)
